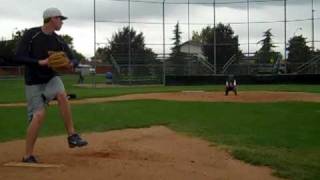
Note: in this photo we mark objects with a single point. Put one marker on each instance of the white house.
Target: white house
(192, 47)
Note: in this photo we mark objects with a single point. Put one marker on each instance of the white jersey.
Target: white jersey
(234, 83)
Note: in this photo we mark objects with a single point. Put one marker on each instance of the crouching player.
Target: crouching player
(231, 85)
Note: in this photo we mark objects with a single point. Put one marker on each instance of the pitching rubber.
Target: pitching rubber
(32, 165)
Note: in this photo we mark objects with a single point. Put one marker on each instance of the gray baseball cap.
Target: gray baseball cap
(53, 12)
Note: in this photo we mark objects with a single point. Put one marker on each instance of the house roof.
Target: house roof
(194, 43)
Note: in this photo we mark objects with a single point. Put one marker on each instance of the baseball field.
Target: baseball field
(175, 132)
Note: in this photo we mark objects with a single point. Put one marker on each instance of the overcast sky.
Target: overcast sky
(113, 15)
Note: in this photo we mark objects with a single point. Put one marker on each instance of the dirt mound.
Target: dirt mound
(149, 153)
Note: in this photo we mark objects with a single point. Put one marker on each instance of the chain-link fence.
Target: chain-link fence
(156, 19)
(248, 18)
(155, 73)
(11, 71)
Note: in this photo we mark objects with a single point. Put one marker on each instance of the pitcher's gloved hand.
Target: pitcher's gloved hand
(58, 61)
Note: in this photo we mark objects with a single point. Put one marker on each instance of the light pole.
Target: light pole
(214, 38)
(129, 44)
(248, 26)
(312, 28)
(285, 32)
(94, 41)
(164, 43)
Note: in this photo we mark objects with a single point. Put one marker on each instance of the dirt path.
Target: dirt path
(248, 96)
(144, 154)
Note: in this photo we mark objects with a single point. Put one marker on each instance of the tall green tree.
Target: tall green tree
(7, 48)
(299, 51)
(119, 47)
(69, 40)
(196, 36)
(178, 60)
(118, 52)
(226, 43)
(102, 53)
(176, 49)
(266, 54)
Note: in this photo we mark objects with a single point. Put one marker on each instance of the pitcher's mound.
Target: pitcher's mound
(155, 153)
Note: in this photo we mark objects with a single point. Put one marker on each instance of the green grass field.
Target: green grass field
(284, 136)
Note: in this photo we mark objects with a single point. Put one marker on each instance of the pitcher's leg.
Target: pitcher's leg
(65, 112)
(33, 130)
